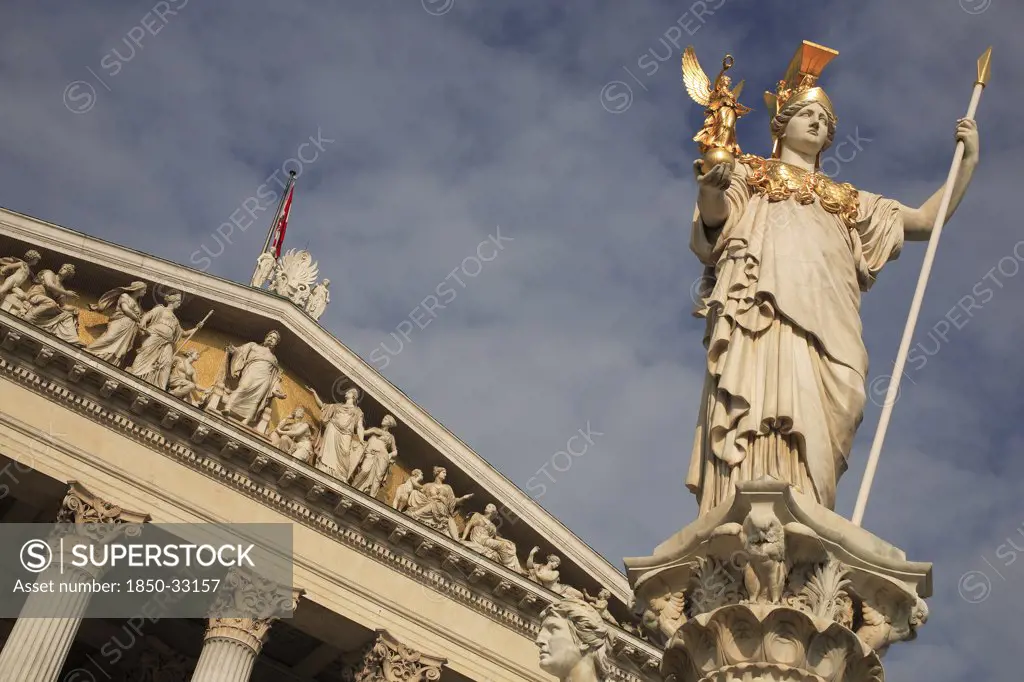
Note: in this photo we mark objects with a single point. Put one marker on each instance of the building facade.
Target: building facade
(413, 558)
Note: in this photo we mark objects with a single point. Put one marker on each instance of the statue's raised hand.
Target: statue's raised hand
(967, 132)
(717, 179)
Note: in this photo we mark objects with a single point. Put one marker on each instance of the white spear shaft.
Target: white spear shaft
(915, 306)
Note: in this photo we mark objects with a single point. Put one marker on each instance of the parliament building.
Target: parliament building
(134, 390)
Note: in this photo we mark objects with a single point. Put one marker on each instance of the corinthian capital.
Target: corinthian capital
(388, 660)
(246, 607)
(82, 506)
(95, 519)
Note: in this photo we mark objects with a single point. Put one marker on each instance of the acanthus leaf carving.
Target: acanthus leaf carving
(825, 592)
(248, 604)
(92, 518)
(388, 660)
(713, 585)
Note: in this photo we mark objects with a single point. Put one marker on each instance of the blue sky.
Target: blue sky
(449, 118)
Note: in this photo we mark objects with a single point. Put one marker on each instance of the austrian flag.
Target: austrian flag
(282, 222)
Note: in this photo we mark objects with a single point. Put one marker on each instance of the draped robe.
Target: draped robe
(340, 447)
(786, 365)
(256, 368)
(155, 356)
(119, 336)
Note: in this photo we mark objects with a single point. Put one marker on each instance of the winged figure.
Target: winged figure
(296, 273)
(721, 103)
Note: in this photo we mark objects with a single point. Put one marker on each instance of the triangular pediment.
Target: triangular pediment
(308, 356)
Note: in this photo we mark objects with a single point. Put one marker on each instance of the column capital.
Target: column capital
(775, 584)
(94, 518)
(82, 506)
(262, 600)
(84, 518)
(388, 660)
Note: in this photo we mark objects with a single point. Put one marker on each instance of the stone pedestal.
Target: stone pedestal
(771, 586)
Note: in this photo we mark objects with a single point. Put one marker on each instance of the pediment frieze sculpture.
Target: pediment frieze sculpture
(481, 535)
(778, 575)
(547, 575)
(379, 452)
(600, 604)
(340, 448)
(244, 463)
(344, 449)
(252, 381)
(162, 339)
(433, 504)
(15, 280)
(156, 346)
(295, 436)
(124, 323)
(46, 303)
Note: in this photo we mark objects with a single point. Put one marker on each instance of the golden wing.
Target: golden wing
(698, 86)
(740, 109)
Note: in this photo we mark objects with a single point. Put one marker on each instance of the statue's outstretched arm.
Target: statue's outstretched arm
(918, 222)
(711, 202)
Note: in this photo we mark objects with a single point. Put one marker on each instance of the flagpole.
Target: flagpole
(915, 306)
(277, 217)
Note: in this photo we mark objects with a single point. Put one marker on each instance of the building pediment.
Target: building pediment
(237, 320)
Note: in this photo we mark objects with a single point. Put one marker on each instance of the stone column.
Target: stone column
(38, 644)
(231, 644)
(388, 660)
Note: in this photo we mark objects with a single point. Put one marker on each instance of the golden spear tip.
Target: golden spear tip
(985, 66)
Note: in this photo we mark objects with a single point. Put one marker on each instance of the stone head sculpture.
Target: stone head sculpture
(574, 642)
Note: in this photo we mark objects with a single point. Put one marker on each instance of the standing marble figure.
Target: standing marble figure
(574, 642)
(788, 252)
(123, 324)
(155, 357)
(379, 454)
(255, 367)
(344, 435)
